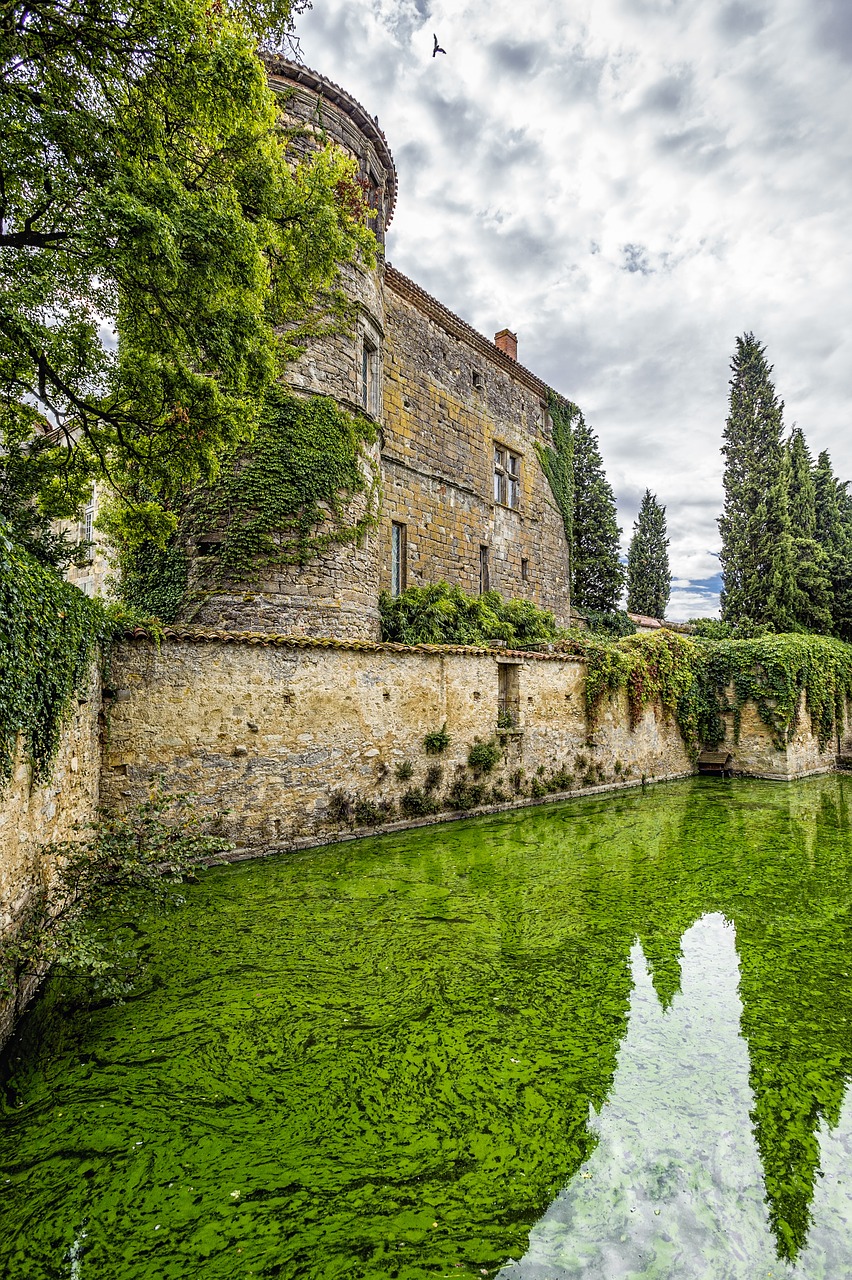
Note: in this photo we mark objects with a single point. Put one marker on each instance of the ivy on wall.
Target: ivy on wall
(699, 681)
(48, 635)
(557, 460)
(283, 499)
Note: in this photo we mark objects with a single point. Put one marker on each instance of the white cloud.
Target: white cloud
(629, 184)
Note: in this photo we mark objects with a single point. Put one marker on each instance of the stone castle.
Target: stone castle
(464, 495)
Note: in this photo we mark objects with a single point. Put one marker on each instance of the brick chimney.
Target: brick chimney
(507, 342)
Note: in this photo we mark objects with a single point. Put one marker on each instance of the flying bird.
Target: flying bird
(437, 48)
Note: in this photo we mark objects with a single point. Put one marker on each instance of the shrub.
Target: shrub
(615, 624)
(483, 756)
(466, 795)
(121, 868)
(403, 771)
(441, 614)
(414, 803)
(368, 814)
(437, 741)
(433, 779)
(340, 807)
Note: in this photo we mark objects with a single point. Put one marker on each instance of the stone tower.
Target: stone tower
(335, 593)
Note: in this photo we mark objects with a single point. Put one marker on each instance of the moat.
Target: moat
(608, 1038)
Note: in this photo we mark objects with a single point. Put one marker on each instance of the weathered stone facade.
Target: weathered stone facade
(756, 755)
(270, 729)
(444, 398)
(32, 815)
(452, 397)
(335, 594)
(35, 815)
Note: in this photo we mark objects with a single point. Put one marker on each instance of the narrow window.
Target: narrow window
(508, 696)
(88, 522)
(484, 578)
(500, 475)
(525, 570)
(507, 477)
(513, 480)
(478, 382)
(398, 558)
(368, 376)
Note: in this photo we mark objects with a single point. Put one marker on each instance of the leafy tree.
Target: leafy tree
(649, 579)
(811, 582)
(597, 576)
(833, 528)
(161, 249)
(757, 544)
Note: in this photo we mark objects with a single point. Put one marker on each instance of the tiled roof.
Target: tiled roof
(276, 65)
(461, 329)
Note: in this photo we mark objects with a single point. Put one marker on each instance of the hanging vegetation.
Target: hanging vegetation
(48, 634)
(283, 499)
(699, 681)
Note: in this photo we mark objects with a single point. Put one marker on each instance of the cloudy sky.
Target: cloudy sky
(628, 184)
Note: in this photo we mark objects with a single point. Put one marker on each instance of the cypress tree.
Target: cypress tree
(757, 544)
(649, 579)
(833, 530)
(811, 582)
(597, 576)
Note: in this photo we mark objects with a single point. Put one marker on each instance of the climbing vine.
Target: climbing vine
(557, 460)
(48, 634)
(282, 498)
(699, 681)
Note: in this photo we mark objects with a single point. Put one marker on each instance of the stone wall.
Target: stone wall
(335, 593)
(268, 731)
(756, 755)
(35, 815)
(449, 397)
(32, 816)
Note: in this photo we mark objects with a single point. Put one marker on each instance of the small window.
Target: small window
(508, 696)
(369, 355)
(478, 380)
(513, 478)
(484, 576)
(88, 522)
(525, 570)
(507, 477)
(399, 556)
(499, 475)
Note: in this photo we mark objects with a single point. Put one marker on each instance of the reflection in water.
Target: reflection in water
(388, 1059)
(675, 1179)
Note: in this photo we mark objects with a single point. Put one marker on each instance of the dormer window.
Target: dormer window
(507, 477)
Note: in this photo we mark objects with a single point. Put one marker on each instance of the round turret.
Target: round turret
(335, 591)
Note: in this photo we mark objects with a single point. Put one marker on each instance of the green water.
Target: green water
(609, 1038)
